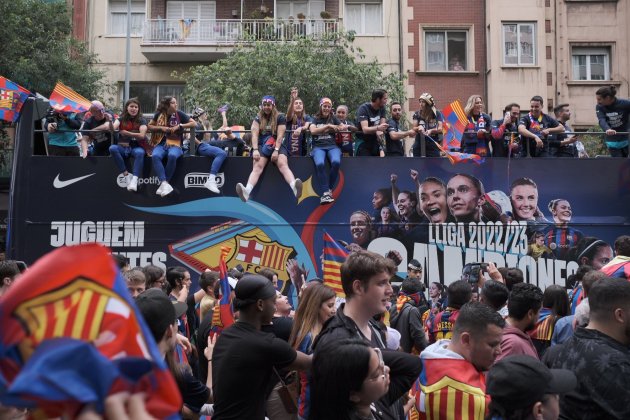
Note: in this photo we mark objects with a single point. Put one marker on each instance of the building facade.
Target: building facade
(168, 37)
(507, 52)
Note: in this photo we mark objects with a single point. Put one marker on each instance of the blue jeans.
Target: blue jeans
(159, 153)
(214, 152)
(119, 153)
(319, 157)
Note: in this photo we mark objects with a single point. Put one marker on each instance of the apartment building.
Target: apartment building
(562, 50)
(171, 36)
(446, 49)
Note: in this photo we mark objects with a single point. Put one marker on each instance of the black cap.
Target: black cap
(251, 288)
(520, 381)
(158, 311)
(414, 265)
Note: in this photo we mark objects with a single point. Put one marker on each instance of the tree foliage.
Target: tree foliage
(37, 49)
(318, 68)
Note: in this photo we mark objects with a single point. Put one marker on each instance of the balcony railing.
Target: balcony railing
(231, 31)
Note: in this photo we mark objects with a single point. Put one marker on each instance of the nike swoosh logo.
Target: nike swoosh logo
(57, 183)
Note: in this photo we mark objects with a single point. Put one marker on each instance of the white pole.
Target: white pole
(128, 52)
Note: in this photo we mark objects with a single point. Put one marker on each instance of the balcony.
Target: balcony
(208, 40)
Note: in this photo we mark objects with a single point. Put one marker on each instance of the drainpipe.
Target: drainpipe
(400, 41)
(485, 61)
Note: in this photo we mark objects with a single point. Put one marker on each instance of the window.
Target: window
(190, 20)
(149, 96)
(191, 10)
(310, 9)
(446, 50)
(364, 17)
(118, 17)
(519, 44)
(590, 63)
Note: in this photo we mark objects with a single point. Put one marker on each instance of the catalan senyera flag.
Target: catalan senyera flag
(68, 100)
(450, 389)
(544, 326)
(454, 124)
(223, 317)
(334, 257)
(72, 335)
(12, 97)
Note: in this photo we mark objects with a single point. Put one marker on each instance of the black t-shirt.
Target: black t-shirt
(242, 364)
(536, 125)
(267, 129)
(194, 392)
(280, 327)
(325, 139)
(393, 147)
(98, 136)
(202, 342)
(372, 116)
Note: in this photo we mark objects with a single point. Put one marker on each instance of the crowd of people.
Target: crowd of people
(486, 346)
(327, 135)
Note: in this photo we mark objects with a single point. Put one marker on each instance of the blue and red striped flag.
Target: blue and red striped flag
(454, 124)
(12, 97)
(458, 157)
(67, 100)
(223, 316)
(618, 267)
(334, 256)
(72, 335)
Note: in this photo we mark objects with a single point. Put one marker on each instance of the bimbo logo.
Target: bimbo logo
(197, 179)
(122, 181)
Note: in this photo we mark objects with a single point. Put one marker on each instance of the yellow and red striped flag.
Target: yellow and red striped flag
(334, 256)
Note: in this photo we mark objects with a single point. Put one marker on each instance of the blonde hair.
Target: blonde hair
(263, 120)
(206, 305)
(470, 104)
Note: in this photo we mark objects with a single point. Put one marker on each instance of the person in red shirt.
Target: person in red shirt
(524, 306)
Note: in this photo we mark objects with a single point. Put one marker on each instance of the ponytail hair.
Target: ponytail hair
(609, 91)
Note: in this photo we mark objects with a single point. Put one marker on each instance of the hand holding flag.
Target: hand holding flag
(334, 257)
(67, 100)
(223, 316)
(458, 157)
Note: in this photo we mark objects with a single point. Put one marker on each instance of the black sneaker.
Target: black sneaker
(327, 198)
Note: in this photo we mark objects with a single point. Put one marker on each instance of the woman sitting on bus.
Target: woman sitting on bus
(167, 126)
(268, 130)
(323, 129)
(133, 128)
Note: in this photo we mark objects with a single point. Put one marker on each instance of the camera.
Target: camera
(54, 117)
(471, 271)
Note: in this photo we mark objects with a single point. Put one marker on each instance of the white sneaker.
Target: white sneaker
(211, 184)
(160, 188)
(297, 190)
(166, 190)
(133, 184)
(242, 192)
